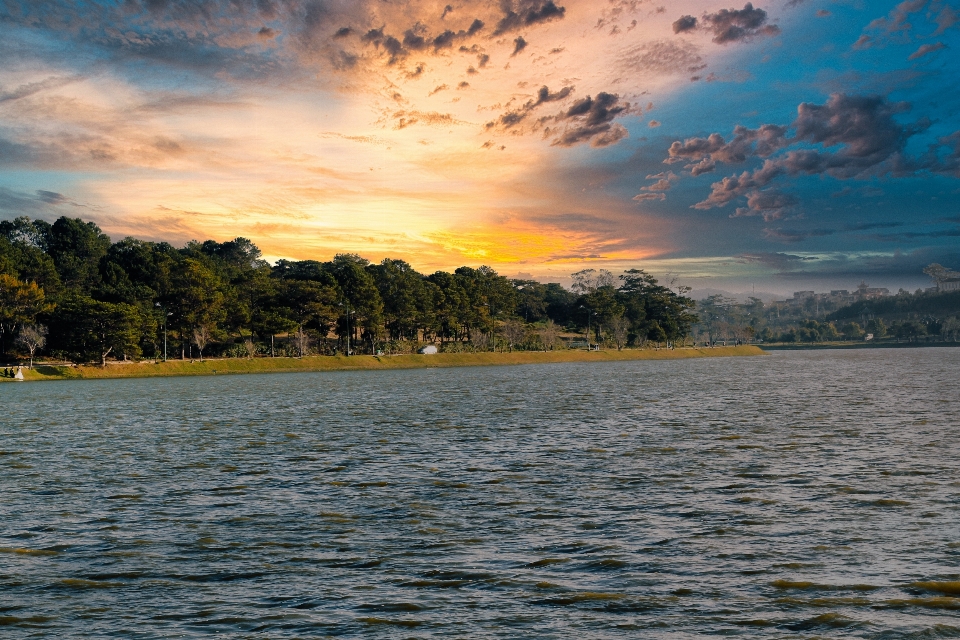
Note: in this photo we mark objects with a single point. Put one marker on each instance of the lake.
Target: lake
(800, 494)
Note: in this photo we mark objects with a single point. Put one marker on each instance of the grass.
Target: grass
(148, 368)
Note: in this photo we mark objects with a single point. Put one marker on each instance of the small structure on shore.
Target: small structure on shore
(427, 350)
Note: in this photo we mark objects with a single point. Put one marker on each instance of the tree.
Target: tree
(359, 292)
(513, 332)
(76, 248)
(852, 331)
(549, 335)
(302, 340)
(877, 327)
(619, 327)
(20, 303)
(939, 273)
(201, 336)
(86, 329)
(31, 338)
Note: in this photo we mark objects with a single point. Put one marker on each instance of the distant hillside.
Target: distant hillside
(740, 298)
(903, 306)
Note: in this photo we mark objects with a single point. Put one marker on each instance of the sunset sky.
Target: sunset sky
(782, 145)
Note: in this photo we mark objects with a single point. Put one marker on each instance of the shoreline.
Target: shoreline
(231, 366)
(857, 345)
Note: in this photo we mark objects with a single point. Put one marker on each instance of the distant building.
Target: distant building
(866, 292)
(950, 284)
(841, 297)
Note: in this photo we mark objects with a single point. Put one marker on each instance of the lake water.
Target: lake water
(800, 494)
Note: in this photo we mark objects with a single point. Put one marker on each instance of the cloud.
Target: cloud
(663, 58)
(51, 197)
(926, 49)
(664, 181)
(730, 25)
(525, 13)
(592, 119)
(867, 226)
(653, 124)
(762, 141)
(794, 235)
(684, 24)
(733, 187)
(406, 119)
(776, 260)
(518, 45)
(32, 88)
(643, 197)
(771, 204)
(848, 137)
(544, 95)
(896, 20)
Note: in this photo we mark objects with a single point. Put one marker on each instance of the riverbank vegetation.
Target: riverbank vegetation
(923, 316)
(68, 292)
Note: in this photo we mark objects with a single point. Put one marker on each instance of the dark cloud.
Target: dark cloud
(592, 119)
(862, 126)
(343, 32)
(848, 137)
(795, 235)
(519, 45)
(51, 197)
(526, 13)
(730, 25)
(684, 24)
(544, 95)
(763, 142)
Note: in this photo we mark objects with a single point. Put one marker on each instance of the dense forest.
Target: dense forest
(68, 292)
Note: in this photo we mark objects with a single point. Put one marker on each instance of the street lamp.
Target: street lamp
(589, 313)
(348, 326)
(165, 314)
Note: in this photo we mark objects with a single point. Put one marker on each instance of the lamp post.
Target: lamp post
(589, 313)
(348, 326)
(165, 314)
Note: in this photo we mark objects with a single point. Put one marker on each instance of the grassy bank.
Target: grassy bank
(148, 369)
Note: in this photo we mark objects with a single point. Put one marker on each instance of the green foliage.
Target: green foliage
(104, 300)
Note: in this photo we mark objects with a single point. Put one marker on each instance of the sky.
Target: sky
(771, 146)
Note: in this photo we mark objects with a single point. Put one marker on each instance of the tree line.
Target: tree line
(67, 291)
(922, 315)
